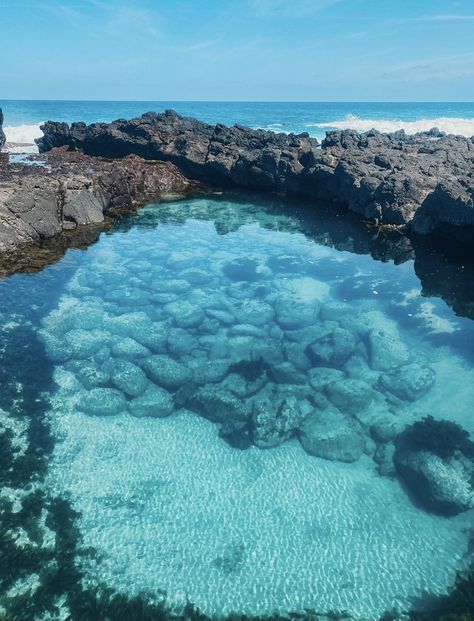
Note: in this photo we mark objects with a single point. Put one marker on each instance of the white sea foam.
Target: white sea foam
(451, 125)
(21, 138)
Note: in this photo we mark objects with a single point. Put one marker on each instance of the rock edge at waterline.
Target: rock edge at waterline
(425, 180)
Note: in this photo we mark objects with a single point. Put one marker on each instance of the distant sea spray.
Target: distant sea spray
(450, 125)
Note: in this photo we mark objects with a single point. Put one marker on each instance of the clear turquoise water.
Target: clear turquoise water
(23, 117)
(214, 301)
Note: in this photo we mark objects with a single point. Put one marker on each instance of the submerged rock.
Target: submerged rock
(254, 312)
(331, 435)
(408, 382)
(435, 458)
(274, 421)
(218, 404)
(129, 378)
(332, 349)
(167, 372)
(91, 375)
(350, 395)
(241, 269)
(154, 401)
(129, 348)
(299, 303)
(102, 402)
(442, 485)
(386, 348)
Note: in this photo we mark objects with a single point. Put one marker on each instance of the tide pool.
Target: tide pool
(228, 395)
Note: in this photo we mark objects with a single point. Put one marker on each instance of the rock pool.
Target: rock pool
(247, 415)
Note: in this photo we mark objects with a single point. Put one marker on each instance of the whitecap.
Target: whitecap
(451, 125)
(21, 138)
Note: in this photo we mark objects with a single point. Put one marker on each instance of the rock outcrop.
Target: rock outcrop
(435, 459)
(38, 202)
(3, 138)
(425, 180)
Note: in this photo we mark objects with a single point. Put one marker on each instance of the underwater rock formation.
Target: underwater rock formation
(436, 461)
(264, 354)
(331, 435)
(396, 179)
(38, 202)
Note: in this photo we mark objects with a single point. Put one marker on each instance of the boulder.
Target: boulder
(386, 348)
(241, 269)
(166, 372)
(254, 312)
(126, 347)
(91, 375)
(332, 349)
(218, 404)
(331, 435)
(299, 302)
(102, 402)
(155, 401)
(350, 395)
(185, 314)
(129, 378)
(443, 486)
(408, 382)
(276, 420)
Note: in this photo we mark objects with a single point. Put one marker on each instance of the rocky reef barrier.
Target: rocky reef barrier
(425, 181)
(69, 190)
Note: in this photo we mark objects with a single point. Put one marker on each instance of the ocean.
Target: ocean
(23, 118)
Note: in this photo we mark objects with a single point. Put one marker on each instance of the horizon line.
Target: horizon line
(250, 101)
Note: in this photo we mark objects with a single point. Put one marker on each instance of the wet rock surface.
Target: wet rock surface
(425, 180)
(69, 190)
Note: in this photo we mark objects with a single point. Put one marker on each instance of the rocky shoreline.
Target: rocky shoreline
(425, 181)
(68, 190)
(422, 184)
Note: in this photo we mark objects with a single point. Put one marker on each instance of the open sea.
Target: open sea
(200, 410)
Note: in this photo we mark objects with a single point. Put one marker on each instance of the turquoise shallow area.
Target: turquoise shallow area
(225, 405)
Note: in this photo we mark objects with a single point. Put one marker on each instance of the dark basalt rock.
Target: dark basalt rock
(435, 459)
(425, 180)
(3, 138)
(38, 202)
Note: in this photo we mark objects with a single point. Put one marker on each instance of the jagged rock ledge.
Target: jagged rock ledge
(69, 190)
(3, 138)
(425, 181)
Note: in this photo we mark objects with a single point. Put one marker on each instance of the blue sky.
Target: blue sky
(304, 50)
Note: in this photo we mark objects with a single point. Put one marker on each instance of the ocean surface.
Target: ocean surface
(201, 407)
(22, 118)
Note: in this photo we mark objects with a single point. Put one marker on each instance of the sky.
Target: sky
(251, 50)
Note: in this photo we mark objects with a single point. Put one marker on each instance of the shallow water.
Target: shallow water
(204, 312)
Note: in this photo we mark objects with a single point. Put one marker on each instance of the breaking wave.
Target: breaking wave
(21, 138)
(451, 125)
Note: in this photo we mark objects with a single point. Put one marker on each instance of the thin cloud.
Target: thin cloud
(297, 8)
(443, 17)
(451, 67)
